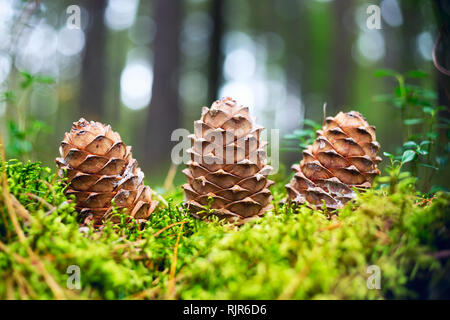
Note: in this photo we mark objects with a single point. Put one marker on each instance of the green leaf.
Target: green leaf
(398, 102)
(410, 145)
(428, 166)
(384, 179)
(399, 93)
(428, 110)
(27, 81)
(410, 122)
(303, 145)
(312, 123)
(425, 142)
(429, 94)
(422, 103)
(45, 79)
(7, 96)
(386, 73)
(432, 135)
(408, 156)
(404, 174)
(416, 74)
(422, 152)
(387, 154)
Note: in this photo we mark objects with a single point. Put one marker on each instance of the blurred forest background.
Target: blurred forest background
(147, 67)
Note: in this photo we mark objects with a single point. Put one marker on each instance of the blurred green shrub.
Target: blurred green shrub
(420, 127)
(22, 128)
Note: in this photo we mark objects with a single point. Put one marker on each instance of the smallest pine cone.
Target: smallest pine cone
(100, 171)
(344, 155)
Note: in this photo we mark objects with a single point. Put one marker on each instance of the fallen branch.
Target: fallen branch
(171, 289)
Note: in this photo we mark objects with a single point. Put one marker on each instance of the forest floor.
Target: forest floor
(389, 243)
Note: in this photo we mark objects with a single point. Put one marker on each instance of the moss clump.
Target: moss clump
(292, 253)
(300, 254)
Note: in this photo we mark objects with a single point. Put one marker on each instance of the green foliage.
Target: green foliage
(423, 147)
(20, 142)
(22, 129)
(307, 135)
(290, 253)
(28, 80)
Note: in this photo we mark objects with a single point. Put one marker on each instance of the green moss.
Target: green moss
(293, 253)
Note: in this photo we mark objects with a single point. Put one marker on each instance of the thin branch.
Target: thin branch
(23, 213)
(42, 201)
(167, 227)
(173, 267)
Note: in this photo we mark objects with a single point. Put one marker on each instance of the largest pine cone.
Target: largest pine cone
(101, 169)
(237, 185)
(344, 155)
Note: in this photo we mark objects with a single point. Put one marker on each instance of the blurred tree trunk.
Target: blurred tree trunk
(412, 25)
(342, 60)
(164, 112)
(442, 59)
(314, 28)
(215, 76)
(443, 81)
(93, 74)
(442, 10)
(116, 63)
(400, 42)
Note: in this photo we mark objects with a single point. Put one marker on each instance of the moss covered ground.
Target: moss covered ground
(291, 253)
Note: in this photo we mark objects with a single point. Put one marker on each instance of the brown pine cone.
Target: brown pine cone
(236, 182)
(101, 170)
(343, 156)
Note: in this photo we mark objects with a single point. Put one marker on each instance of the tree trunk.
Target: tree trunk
(164, 112)
(442, 54)
(412, 26)
(215, 53)
(342, 61)
(93, 75)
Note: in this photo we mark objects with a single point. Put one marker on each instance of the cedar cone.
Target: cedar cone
(101, 170)
(228, 168)
(344, 155)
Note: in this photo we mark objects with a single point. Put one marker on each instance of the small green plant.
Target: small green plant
(22, 129)
(420, 126)
(397, 179)
(307, 135)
